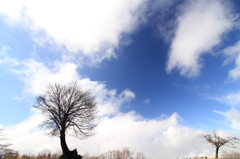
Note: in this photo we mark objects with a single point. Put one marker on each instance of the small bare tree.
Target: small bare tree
(3, 146)
(218, 141)
(67, 107)
(232, 154)
(11, 154)
(140, 155)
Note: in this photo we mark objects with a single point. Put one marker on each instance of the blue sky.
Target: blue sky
(163, 70)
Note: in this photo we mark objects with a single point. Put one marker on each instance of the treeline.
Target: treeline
(12, 154)
(125, 153)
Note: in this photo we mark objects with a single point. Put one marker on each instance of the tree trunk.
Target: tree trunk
(64, 146)
(66, 152)
(216, 155)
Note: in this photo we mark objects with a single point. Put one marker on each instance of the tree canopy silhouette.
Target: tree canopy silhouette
(70, 109)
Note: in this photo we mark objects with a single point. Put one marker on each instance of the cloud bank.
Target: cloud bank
(201, 25)
(156, 138)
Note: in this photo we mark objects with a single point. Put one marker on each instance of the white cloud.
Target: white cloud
(108, 101)
(201, 25)
(27, 133)
(234, 116)
(90, 28)
(233, 54)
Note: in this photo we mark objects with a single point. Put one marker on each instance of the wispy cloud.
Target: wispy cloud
(233, 116)
(232, 99)
(233, 55)
(20, 98)
(147, 101)
(201, 25)
(5, 58)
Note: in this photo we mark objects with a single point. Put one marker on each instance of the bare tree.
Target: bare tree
(126, 153)
(218, 141)
(67, 108)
